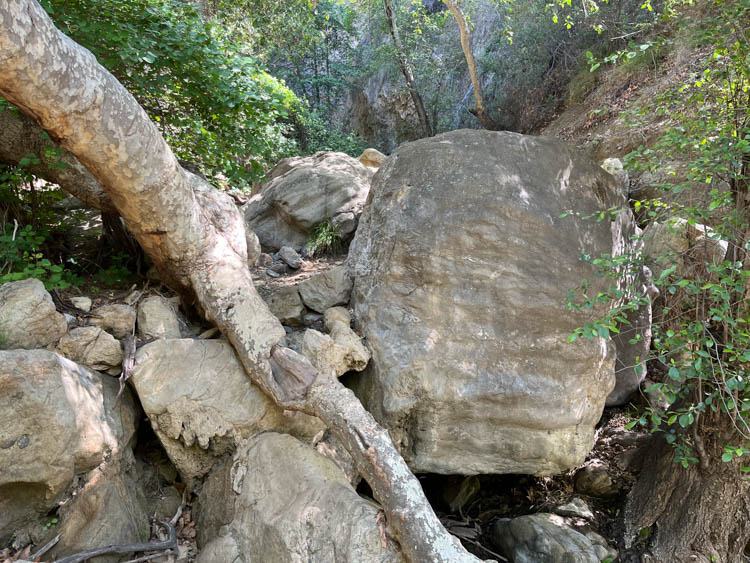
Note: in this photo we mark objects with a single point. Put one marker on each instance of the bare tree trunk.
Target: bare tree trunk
(403, 60)
(195, 236)
(481, 110)
(697, 514)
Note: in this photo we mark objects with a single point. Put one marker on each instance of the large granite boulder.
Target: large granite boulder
(56, 421)
(304, 191)
(462, 263)
(280, 500)
(201, 403)
(28, 318)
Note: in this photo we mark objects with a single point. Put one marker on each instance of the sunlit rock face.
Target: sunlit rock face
(462, 263)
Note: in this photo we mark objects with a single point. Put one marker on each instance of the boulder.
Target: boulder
(110, 507)
(157, 318)
(372, 158)
(688, 246)
(290, 257)
(284, 302)
(286, 502)
(57, 421)
(303, 192)
(462, 304)
(92, 347)
(327, 289)
(201, 403)
(28, 318)
(542, 538)
(117, 319)
(633, 344)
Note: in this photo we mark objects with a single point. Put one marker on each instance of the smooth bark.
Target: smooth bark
(403, 61)
(195, 236)
(481, 110)
(21, 137)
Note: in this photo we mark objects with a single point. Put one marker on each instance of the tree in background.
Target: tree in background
(463, 28)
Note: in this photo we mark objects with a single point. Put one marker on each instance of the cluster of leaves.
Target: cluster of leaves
(22, 243)
(701, 337)
(215, 105)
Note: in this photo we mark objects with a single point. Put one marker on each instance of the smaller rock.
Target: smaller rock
(542, 538)
(70, 319)
(284, 302)
(342, 351)
(117, 319)
(346, 223)
(336, 314)
(264, 260)
(576, 507)
(313, 320)
(615, 167)
(372, 158)
(28, 318)
(92, 347)
(593, 480)
(291, 257)
(279, 267)
(253, 247)
(601, 547)
(326, 289)
(157, 318)
(272, 274)
(82, 303)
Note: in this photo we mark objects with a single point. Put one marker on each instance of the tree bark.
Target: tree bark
(195, 237)
(699, 514)
(403, 61)
(481, 110)
(20, 137)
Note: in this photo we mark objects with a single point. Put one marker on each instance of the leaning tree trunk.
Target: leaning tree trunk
(481, 110)
(403, 61)
(699, 514)
(195, 237)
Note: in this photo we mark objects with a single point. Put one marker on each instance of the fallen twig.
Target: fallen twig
(45, 548)
(164, 546)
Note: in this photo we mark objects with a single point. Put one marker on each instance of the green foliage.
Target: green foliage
(116, 273)
(214, 104)
(21, 258)
(315, 134)
(325, 239)
(701, 338)
(26, 224)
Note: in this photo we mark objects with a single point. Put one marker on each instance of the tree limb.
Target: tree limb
(195, 237)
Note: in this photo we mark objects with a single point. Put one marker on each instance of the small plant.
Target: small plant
(326, 239)
(21, 258)
(116, 272)
(51, 524)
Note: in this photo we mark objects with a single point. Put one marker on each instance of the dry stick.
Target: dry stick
(166, 545)
(128, 361)
(49, 545)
